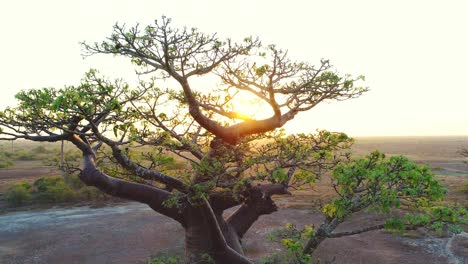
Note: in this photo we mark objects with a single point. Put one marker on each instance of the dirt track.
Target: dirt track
(130, 233)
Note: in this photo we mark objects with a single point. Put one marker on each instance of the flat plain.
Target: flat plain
(130, 232)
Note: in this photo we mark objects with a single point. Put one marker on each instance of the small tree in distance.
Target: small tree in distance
(464, 153)
(234, 159)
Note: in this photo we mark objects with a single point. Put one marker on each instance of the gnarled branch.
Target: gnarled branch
(152, 196)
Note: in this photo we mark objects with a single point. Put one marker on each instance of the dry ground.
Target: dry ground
(129, 233)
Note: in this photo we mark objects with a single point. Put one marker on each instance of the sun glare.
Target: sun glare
(246, 106)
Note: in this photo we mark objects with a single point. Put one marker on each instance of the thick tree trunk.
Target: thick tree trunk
(244, 217)
(201, 248)
(199, 245)
(203, 243)
(208, 237)
(258, 204)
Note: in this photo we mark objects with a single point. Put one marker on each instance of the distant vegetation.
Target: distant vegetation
(465, 188)
(45, 189)
(5, 157)
(9, 154)
(4, 161)
(67, 188)
(51, 189)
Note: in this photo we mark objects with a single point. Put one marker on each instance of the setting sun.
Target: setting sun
(190, 132)
(247, 106)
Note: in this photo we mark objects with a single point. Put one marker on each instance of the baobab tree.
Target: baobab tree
(234, 158)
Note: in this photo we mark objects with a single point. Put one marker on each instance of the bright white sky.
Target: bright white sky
(414, 54)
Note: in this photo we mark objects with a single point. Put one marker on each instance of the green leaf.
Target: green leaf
(162, 116)
(279, 175)
(57, 103)
(115, 129)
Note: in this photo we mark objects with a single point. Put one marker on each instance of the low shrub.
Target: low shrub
(53, 189)
(5, 164)
(166, 260)
(464, 188)
(73, 181)
(91, 193)
(23, 155)
(39, 149)
(18, 194)
(5, 160)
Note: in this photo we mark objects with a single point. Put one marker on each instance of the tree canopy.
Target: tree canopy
(231, 158)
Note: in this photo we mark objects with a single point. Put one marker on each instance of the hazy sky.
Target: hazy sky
(414, 54)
